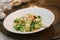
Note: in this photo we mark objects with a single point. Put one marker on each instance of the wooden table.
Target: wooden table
(46, 34)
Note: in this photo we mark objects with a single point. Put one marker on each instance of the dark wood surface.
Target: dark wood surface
(46, 34)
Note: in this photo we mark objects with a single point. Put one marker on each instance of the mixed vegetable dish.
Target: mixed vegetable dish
(28, 23)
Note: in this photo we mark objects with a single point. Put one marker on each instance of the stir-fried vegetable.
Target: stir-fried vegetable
(28, 23)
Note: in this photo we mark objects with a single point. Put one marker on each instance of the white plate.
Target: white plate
(47, 16)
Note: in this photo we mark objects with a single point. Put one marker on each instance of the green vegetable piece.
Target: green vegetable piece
(18, 26)
(39, 16)
(22, 29)
(37, 26)
(31, 28)
(16, 20)
(32, 25)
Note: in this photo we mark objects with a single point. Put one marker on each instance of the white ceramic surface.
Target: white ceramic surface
(47, 16)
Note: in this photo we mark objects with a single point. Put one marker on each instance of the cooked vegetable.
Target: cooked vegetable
(28, 23)
(39, 16)
(16, 20)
